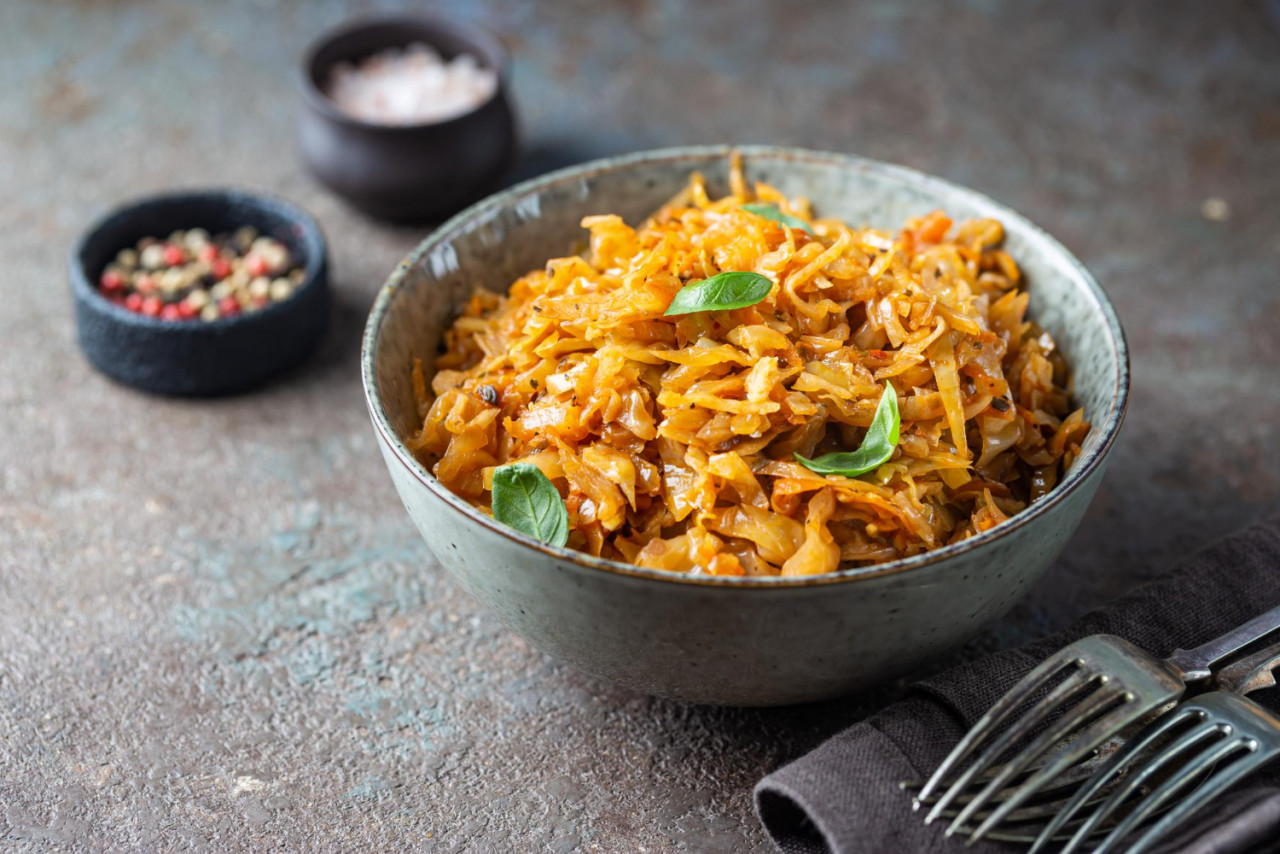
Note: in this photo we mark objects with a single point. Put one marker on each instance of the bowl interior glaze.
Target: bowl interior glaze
(494, 242)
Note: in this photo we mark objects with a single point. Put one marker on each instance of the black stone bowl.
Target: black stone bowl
(195, 357)
(406, 173)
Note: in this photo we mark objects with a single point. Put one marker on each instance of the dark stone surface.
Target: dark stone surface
(218, 629)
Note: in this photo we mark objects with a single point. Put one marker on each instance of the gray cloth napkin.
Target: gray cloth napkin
(843, 797)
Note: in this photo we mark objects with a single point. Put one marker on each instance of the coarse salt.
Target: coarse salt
(410, 86)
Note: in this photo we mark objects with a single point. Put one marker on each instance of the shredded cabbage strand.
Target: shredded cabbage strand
(672, 439)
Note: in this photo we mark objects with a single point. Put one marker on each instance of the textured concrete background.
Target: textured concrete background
(218, 629)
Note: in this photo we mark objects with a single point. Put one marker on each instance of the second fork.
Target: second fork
(1113, 685)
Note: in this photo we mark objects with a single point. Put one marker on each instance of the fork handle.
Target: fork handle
(1195, 663)
(1251, 673)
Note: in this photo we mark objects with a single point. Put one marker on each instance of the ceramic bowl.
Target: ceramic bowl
(739, 641)
(406, 172)
(193, 357)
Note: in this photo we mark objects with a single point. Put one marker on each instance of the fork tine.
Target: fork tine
(1051, 800)
(1022, 815)
(1104, 774)
(1201, 796)
(1166, 790)
(1005, 706)
(1034, 716)
(1059, 790)
(1091, 705)
(1069, 754)
(1139, 774)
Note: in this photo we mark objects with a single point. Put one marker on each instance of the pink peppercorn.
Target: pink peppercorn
(112, 281)
(175, 279)
(256, 265)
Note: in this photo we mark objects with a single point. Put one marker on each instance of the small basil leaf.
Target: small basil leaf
(722, 291)
(877, 446)
(525, 499)
(772, 212)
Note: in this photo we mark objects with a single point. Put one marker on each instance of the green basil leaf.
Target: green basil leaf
(772, 212)
(877, 446)
(526, 499)
(722, 291)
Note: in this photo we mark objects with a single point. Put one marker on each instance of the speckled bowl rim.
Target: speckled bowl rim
(478, 35)
(469, 218)
(84, 282)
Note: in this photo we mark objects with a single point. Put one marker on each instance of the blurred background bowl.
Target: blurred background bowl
(412, 172)
(195, 357)
(750, 640)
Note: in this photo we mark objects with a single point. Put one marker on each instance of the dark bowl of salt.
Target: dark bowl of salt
(407, 118)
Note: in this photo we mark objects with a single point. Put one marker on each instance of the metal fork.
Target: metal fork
(1113, 685)
(1216, 739)
(1026, 822)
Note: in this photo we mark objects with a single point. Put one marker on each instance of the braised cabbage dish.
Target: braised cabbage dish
(740, 387)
